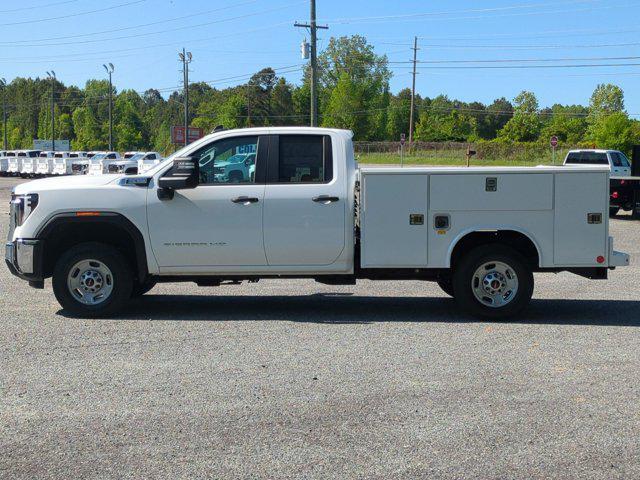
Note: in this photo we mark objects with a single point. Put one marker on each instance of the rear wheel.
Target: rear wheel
(613, 211)
(92, 280)
(493, 281)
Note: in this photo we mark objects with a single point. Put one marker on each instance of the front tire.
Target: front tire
(139, 289)
(493, 281)
(92, 280)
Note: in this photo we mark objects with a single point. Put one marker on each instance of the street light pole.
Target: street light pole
(109, 69)
(3, 85)
(52, 77)
(186, 58)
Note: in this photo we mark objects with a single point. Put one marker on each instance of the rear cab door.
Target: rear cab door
(306, 202)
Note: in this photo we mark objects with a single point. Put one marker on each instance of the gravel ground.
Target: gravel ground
(292, 379)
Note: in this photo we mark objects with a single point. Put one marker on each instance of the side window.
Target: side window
(617, 161)
(305, 159)
(229, 161)
(111, 156)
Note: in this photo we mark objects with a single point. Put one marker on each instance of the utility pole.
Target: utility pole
(313, 28)
(186, 59)
(3, 86)
(52, 77)
(109, 69)
(413, 90)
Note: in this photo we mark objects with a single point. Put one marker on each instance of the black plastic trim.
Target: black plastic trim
(112, 218)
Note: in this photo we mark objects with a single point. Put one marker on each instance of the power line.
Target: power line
(41, 20)
(134, 27)
(163, 32)
(37, 7)
(456, 12)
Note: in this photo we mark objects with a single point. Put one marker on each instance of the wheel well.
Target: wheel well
(516, 240)
(66, 232)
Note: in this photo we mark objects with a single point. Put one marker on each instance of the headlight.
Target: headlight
(22, 206)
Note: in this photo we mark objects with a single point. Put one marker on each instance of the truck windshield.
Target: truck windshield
(587, 158)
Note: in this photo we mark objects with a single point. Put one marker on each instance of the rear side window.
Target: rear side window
(619, 160)
(305, 159)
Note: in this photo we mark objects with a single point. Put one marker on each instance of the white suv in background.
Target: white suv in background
(618, 162)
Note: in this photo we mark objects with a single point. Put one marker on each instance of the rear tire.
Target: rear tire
(613, 211)
(446, 284)
(92, 280)
(493, 281)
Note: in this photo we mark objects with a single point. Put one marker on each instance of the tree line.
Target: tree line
(354, 93)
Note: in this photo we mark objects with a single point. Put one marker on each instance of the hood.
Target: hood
(65, 183)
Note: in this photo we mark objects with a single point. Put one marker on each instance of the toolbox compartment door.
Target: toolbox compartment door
(578, 239)
(394, 223)
(492, 192)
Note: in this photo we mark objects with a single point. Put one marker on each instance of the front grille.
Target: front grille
(113, 169)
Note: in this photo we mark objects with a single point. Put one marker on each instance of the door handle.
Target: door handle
(245, 200)
(325, 199)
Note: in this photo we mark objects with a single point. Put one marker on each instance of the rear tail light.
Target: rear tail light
(615, 195)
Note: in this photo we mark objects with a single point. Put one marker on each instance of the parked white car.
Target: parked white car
(148, 161)
(44, 164)
(99, 163)
(135, 162)
(309, 212)
(14, 163)
(4, 163)
(62, 164)
(79, 163)
(617, 161)
(28, 162)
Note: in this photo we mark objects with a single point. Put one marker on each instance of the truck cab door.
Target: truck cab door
(305, 202)
(216, 226)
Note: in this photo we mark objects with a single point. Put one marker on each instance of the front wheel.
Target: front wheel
(493, 281)
(92, 280)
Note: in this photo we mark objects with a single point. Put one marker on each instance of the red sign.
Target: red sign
(554, 141)
(177, 134)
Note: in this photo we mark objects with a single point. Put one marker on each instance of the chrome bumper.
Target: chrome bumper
(24, 259)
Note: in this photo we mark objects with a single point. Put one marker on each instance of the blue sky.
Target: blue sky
(230, 39)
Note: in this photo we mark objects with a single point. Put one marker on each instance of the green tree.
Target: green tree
(128, 125)
(606, 99)
(615, 131)
(568, 123)
(525, 124)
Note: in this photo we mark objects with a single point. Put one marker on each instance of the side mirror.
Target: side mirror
(185, 174)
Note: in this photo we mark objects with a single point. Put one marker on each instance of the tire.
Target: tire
(90, 270)
(447, 286)
(613, 211)
(493, 282)
(139, 289)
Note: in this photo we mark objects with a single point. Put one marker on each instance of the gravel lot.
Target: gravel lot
(292, 379)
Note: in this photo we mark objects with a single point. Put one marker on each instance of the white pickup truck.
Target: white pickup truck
(309, 211)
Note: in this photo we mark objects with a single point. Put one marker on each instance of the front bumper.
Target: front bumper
(24, 259)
